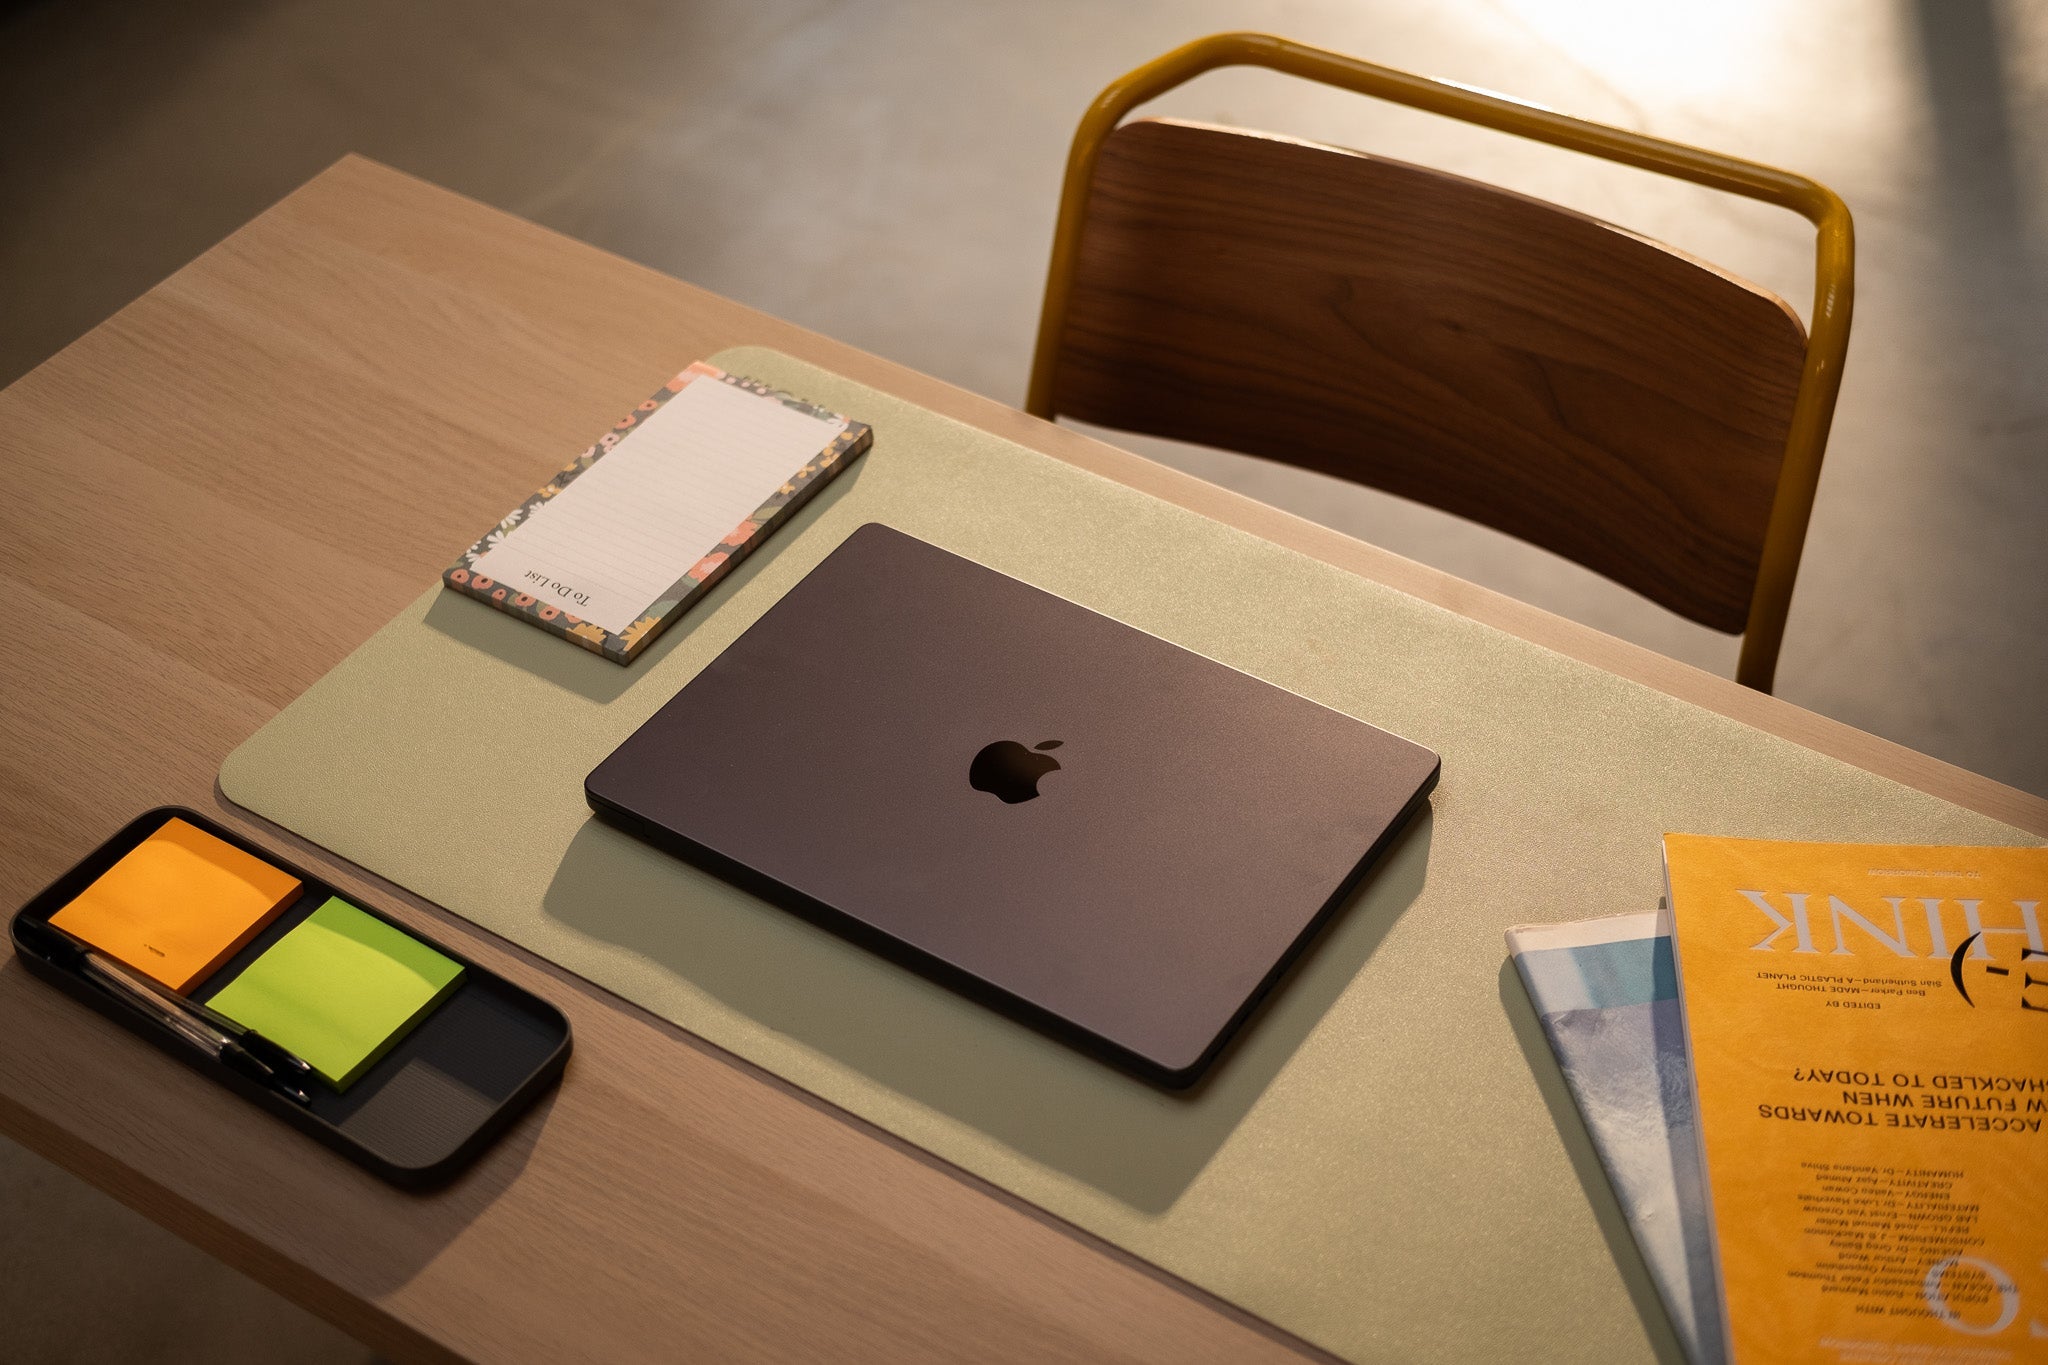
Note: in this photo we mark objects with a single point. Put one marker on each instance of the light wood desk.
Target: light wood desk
(300, 428)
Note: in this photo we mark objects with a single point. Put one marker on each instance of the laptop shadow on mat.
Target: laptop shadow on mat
(1041, 1099)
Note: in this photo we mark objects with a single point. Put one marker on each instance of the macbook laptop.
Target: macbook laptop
(1101, 834)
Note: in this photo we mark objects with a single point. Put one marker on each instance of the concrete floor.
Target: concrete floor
(886, 172)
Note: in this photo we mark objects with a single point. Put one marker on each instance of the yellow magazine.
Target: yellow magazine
(1869, 1037)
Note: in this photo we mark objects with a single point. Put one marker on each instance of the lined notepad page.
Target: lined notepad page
(619, 536)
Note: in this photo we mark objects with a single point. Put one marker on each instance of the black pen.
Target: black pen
(205, 1028)
(286, 1064)
(216, 1043)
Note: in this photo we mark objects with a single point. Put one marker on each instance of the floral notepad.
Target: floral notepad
(640, 525)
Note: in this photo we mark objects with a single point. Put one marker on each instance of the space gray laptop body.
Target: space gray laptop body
(1100, 833)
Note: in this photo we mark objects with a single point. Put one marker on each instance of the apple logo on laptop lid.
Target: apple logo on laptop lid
(1009, 771)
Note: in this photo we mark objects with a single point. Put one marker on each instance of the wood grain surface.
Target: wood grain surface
(217, 494)
(1525, 366)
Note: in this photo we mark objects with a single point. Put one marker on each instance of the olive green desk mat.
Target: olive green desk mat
(1387, 1164)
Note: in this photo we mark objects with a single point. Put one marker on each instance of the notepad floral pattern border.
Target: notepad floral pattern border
(622, 647)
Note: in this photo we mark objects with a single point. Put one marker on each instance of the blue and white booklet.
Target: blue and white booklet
(1607, 992)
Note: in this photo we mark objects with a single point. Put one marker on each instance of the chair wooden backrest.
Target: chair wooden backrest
(1517, 363)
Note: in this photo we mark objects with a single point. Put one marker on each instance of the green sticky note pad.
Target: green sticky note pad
(339, 990)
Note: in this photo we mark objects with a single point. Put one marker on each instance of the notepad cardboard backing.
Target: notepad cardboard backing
(1387, 1164)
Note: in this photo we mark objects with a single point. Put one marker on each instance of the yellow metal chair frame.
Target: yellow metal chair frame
(1834, 259)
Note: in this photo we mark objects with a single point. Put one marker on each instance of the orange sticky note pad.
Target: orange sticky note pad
(178, 905)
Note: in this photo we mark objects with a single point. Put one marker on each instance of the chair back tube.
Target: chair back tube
(1834, 266)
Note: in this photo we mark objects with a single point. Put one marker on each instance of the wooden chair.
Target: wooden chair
(1545, 373)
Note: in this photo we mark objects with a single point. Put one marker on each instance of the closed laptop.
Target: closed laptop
(1102, 834)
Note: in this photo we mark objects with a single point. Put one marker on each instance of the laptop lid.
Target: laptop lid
(1103, 834)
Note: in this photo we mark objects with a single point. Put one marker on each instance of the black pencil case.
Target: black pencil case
(423, 1111)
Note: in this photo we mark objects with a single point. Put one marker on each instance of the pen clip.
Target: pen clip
(238, 1058)
(272, 1055)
